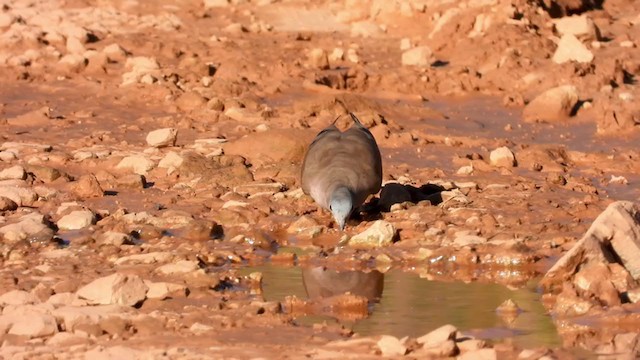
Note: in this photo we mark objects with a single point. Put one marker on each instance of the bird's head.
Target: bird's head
(341, 205)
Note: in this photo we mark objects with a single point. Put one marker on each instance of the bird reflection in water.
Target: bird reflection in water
(344, 295)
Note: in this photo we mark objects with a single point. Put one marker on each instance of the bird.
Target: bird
(320, 282)
(341, 169)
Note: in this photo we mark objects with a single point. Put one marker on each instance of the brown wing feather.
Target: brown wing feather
(350, 159)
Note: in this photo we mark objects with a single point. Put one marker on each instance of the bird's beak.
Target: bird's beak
(341, 224)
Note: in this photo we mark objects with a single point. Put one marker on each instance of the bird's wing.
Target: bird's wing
(350, 159)
(312, 166)
(367, 164)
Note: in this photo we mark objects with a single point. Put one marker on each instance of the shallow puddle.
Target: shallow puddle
(412, 306)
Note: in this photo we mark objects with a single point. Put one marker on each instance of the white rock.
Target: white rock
(235, 28)
(73, 315)
(351, 12)
(215, 3)
(75, 46)
(625, 96)
(115, 52)
(17, 297)
(234, 203)
(465, 238)
(365, 29)
(75, 220)
(6, 20)
(67, 339)
(64, 298)
(418, 56)
(261, 128)
(305, 227)
(7, 156)
(318, 58)
(162, 290)
(45, 193)
(162, 137)
(15, 61)
(481, 25)
(352, 56)
(19, 195)
(142, 217)
(138, 67)
(465, 170)
(406, 9)
(73, 62)
(16, 172)
(171, 160)
(147, 79)
(113, 238)
(336, 55)
(382, 7)
(180, 267)
(199, 328)
(19, 147)
(480, 354)
(294, 193)
(206, 81)
(92, 55)
(571, 49)
(447, 16)
(580, 26)
(618, 180)
(405, 44)
(391, 346)
(242, 114)
(502, 157)
(142, 64)
(619, 227)
(83, 155)
(138, 163)
(71, 205)
(148, 258)
(555, 104)
(614, 234)
(253, 188)
(27, 227)
(438, 336)
(381, 233)
(627, 44)
(54, 37)
(120, 289)
(34, 326)
(69, 29)
(634, 295)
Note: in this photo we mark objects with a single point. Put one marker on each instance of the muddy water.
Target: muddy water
(412, 306)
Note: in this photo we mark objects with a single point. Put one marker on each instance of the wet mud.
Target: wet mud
(150, 197)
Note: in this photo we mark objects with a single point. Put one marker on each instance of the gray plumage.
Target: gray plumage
(341, 169)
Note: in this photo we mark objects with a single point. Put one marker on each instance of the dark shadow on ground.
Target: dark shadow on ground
(395, 193)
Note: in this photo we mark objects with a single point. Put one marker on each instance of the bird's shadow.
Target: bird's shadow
(395, 193)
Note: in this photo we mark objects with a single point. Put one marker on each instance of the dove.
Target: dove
(341, 169)
(320, 282)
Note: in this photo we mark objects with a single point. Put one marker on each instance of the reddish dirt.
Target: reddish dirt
(84, 82)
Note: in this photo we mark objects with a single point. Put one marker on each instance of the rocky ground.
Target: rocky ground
(150, 150)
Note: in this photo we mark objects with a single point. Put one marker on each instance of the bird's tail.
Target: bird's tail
(355, 119)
